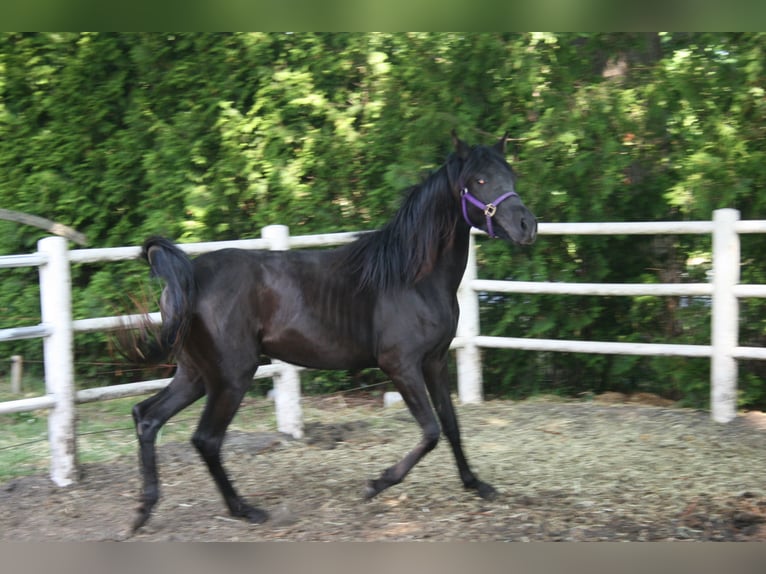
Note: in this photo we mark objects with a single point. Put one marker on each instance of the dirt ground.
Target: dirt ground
(600, 470)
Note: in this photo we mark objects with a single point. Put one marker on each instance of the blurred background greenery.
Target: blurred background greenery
(211, 136)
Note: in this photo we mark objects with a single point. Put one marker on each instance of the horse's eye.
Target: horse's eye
(481, 181)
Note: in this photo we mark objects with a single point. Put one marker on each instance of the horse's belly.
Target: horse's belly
(324, 352)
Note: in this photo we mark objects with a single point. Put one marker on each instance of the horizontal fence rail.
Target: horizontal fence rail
(724, 292)
(603, 289)
(57, 327)
(14, 261)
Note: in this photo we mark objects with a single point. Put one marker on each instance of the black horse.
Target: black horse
(387, 300)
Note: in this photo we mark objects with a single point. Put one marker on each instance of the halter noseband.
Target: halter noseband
(489, 209)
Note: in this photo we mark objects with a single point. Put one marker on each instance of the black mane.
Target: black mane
(407, 247)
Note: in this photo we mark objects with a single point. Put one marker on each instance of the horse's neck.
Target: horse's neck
(453, 258)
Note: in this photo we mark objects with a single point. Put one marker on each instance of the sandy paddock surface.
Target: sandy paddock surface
(601, 470)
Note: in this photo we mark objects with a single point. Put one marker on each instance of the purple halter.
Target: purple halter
(489, 209)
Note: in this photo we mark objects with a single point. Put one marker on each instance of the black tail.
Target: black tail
(172, 265)
(144, 342)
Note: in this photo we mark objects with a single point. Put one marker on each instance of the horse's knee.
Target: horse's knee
(141, 424)
(206, 444)
(431, 435)
(138, 413)
(146, 428)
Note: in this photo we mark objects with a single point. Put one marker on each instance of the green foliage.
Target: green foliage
(204, 136)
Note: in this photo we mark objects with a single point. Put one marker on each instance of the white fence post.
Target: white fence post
(287, 382)
(58, 351)
(468, 355)
(725, 316)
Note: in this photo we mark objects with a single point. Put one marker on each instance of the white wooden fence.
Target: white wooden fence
(57, 326)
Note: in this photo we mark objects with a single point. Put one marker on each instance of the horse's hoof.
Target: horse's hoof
(486, 491)
(252, 514)
(140, 520)
(257, 516)
(148, 501)
(370, 490)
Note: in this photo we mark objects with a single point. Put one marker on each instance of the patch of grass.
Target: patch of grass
(105, 432)
(29, 432)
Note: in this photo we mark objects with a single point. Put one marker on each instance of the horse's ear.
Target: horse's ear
(461, 148)
(500, 145)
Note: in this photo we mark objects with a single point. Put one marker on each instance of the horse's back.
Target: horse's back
(297, 306)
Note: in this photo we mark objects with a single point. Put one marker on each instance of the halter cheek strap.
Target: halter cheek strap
(489, 209)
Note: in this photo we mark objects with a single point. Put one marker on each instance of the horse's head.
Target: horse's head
(488, 197)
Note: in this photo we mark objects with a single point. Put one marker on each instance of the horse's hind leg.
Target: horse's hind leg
(149, 416)
(410, 385)
(222, 404)
(437, 379)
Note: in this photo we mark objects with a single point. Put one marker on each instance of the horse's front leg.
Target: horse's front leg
(409, 382)
(436, 375)
(149, 417)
